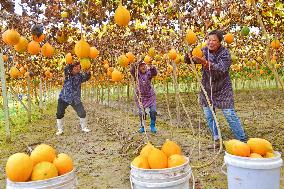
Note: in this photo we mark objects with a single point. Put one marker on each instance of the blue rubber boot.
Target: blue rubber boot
(141, 129)
(153, 122)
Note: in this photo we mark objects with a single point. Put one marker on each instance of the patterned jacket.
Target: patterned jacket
(221, 86)
(148, 96)
(71, 91)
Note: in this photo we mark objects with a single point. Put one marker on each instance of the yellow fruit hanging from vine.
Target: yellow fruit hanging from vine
(122, 16)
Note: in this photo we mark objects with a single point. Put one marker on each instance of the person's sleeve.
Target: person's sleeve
(153, 71)
(221, 63)
(186, 58)
(67, 72)
(85, 76)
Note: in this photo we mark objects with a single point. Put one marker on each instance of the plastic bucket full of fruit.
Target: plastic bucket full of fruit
(169, 178)
(66, 181)
(249, 173)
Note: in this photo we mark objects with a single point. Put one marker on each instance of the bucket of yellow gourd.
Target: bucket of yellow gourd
(252, 165)
(160, 169)
(43, 169)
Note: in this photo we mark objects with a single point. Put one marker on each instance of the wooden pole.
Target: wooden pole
(108, 91)
(45, 94)
(176, 91)
(98, 93)
(5, 98)
(29, 100)
(93, 94)
(118, 92)
(167, 87)
(102, 95)
(40, 94)
(128, 92)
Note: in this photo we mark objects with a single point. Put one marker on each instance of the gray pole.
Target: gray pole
(29, 99)
(5, 98)
(40, 94)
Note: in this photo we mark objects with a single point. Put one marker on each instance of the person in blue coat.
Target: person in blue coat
(217, 84)
(71, 95)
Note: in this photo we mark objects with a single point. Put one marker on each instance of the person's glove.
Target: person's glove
(187, 58)
(201, 61)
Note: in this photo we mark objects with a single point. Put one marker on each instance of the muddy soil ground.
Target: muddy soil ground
(102, 157)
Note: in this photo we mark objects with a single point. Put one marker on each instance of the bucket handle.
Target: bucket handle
(222, 169)
(193, 181)
(131, 183)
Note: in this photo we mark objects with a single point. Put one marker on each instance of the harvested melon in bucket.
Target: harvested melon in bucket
(250, 173)
(238, 148)
(165, 172)
(171, 148)
(260, 146)
(157, 159)
(146, 150)
(260, 169)
(176, 160)
(140, 162)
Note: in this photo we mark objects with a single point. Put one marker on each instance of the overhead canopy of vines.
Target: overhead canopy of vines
(160, 25)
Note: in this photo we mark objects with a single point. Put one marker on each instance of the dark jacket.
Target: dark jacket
(71, 92)
(218, 71)
(148, 96)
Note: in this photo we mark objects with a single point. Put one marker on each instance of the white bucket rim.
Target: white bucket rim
(46, 180)
(165, 169)
(278, 155)
(254, 163)
(161, 184)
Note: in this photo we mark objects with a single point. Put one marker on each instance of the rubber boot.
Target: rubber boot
(83, 124)
(153, 122)
(141, 125)
(59, 124)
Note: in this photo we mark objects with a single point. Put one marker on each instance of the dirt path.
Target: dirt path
(102, 157)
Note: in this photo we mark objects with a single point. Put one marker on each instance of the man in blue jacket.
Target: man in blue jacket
(71, 95)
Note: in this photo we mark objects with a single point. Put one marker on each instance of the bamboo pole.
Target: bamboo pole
(45, 94)
(98, 93)
(167, 87)
(108, 94)
(29, 100)
(188, 89)
(40, 95)
(93, 94)
(102, 96)
(128, 92)
(35, 93)
(176, 88)
(193, 68)
(90, 94)
(118, 92)
(5, 98)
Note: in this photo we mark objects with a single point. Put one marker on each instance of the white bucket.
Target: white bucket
(66, 181)
(170, 178)
(249, 173)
